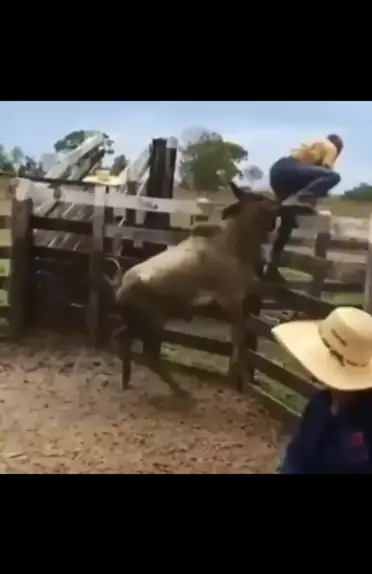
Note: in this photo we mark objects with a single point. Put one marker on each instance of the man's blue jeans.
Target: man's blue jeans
(289, 176)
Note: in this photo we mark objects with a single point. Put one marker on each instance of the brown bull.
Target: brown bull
(216, 262)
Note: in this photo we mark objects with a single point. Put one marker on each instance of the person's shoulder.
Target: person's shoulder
(314, 416)
(321, 146)
(302, 147)
(327, 145)
(365, 403)
(320, 401)
(311, 144)
(368, 397)
(322, 397)
(310, 151)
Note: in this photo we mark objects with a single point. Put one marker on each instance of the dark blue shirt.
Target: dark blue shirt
(329, 443)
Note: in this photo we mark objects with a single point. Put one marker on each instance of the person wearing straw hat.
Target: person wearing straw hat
(335, 430)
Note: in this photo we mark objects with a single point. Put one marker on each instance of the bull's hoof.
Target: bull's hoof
(184, 403)
(173, 401)
(183, 395)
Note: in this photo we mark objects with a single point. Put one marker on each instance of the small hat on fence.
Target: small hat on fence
(104, 178)
(337, 350)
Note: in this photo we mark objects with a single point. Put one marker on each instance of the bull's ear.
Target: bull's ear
(237, 191)
(231, 210)
(244, 194)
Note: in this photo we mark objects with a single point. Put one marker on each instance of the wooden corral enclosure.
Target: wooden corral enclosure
(55, 279)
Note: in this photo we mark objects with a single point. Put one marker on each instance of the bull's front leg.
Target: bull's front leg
(239, 371)
(238, 306)
(122, 341)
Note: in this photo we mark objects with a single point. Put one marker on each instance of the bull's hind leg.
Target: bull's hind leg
(123, 342)
(238, 371)
(146, 322)
(126, 361)
(152, 359)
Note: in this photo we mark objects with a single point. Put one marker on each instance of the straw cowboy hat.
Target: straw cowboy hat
(103, 177)
(337, 350)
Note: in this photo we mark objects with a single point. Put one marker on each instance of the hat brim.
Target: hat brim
(112, 181)
(302, 340)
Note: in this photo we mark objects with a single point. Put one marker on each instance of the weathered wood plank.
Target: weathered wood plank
(67, 225)
(368, 278)
(322, 243)
(278, 373)
(6, 207)
(72, 157)
(96, 256)
(21, 251)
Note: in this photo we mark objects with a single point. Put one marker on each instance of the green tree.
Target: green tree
(210, 162)
(362, 192)
(16, 162)
(17, 157)
(120, 162)
(75, 138)
(6, 163)
(71, 141)
(31, 167)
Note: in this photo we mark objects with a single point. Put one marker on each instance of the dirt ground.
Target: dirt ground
(64, 412)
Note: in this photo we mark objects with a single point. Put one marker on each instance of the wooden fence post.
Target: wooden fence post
(130, 215)
(110, 245)
(170, 167)
(22, 240)
(95, 264)
(368, 279)
(252, 306)
(321, 247)
(5, 257)
(155, 184)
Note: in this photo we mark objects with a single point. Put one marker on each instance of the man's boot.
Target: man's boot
(302, 203)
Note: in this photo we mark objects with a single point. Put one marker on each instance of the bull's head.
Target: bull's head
(258, 207)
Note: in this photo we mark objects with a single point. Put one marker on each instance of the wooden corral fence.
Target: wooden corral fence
(57, 263)
(6, 205)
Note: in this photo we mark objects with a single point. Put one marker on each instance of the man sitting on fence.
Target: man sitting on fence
(299, 180)
(335, 430)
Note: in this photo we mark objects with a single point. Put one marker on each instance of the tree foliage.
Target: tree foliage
(31, 167)
(210, 162)
(75, 138)
(17, 163)
(6, 161)
(120, 162)
(362, 192)
(17, 157)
